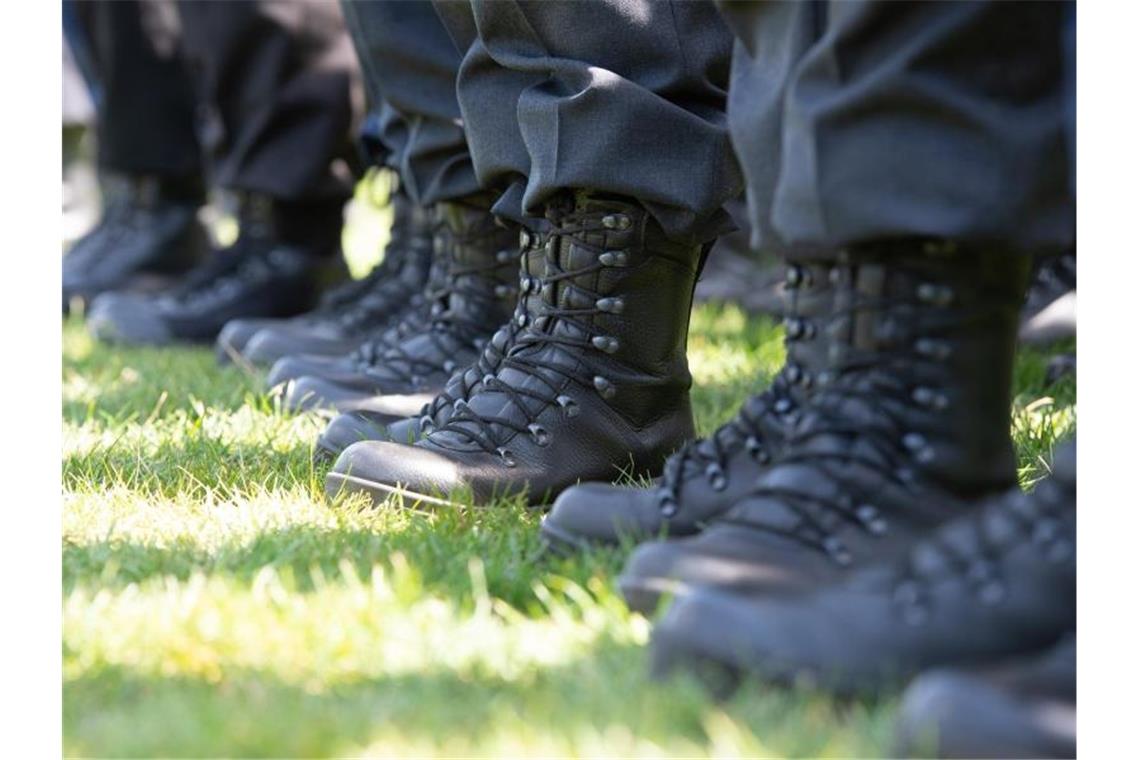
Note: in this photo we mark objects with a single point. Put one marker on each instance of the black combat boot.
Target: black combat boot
(994, 583)
(148, 236)
(708, 476)
(263, 274)
(1026, 707)
(355, 311)
(596, 384)
(906, 426)
(385, 421)
(480, 288)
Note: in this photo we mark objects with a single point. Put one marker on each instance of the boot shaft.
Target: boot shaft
(477, 261)
(928, 330)
(621, 291)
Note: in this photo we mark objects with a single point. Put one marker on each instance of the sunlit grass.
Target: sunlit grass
(215, 605)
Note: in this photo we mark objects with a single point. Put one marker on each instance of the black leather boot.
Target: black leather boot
(708, 476)
(479, 291)
(597, 382)
(997, 582)
(906, 426)
(357, 310)
(342, 328)
(385, 421)
(148, 236)
(1025, 707)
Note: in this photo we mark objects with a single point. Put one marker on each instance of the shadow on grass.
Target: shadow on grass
(601, 698)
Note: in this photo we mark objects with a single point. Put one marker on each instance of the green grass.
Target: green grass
(215, 605)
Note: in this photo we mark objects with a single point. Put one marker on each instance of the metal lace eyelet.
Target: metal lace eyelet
(783, 406)
(836, 550)
(459, 406)
(614, 259)
(506, 456)
(427, 424)
(610, 305)
(449, 366)
(488, 380)
(930, 398)
(502, 291)
(605, 343)
(524, 239)
(936, 295)
(666, 504)
(505, 256)
(569, 406)
(869, 516)
(916, 444)
(604, 387)
(793, 276)
(520, 320)
(754, 447)
(793, 328)
(539, 434)
(616, 222)
(794, 373)
(932, 349)
(716, 476)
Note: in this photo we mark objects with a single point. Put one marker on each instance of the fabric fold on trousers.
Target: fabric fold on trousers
(618, 97)
(903, 119)
(410, 66)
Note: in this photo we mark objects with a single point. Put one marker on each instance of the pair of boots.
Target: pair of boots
(147, 273)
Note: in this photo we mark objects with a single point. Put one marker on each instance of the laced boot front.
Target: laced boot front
(707, 476)
(906, 425)
(382, 421)
(349, 314)
(412, 362)
(995, 582)
(264, 274)
(596, 384)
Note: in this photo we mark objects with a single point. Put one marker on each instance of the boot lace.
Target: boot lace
(974, 552)
(860, 401)
(528, 355)
(448, 327)
(709, 456)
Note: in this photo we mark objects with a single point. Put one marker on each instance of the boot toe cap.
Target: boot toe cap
(235, 335)
(127, 318)
(269, 345)
(312, 393)
(385, 470)
(353, 427)
(602, 513)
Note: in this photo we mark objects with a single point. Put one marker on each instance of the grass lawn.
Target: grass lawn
(214, 605)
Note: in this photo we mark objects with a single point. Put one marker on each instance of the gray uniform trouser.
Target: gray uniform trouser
(410, 66)
(617, 96)
(859, 120)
